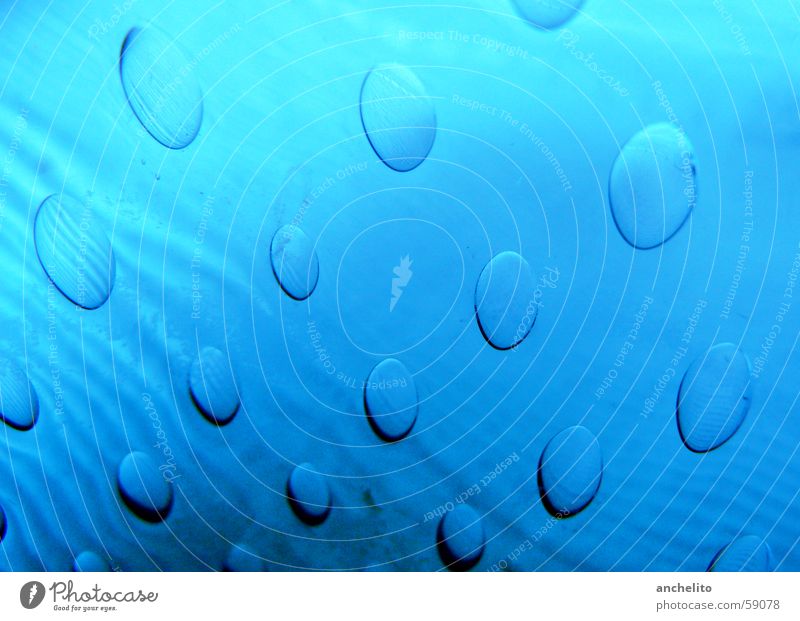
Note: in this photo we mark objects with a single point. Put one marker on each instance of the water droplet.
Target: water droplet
(309, 495)
(143, 488)
(747, 553)
(242, 558)
(398, 116)
(390, 400)
(294, 261)
(570, 471)
(460, 538)
(714, 397)
(74, 251)
(548, 14)
(19, 403)
(212, 386)
(652, 187)
(90, 561)
(504, 300)
(160, 86)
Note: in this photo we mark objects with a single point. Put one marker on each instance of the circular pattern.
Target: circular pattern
(212, 386)
(570, 471)
(652, 187)
(390, 400)
(294, 261)
(309, 494)
(19, 403)
(714, 397)
(505, 303)
(398, 116)
(242, 558)
(548, 14)
(144, 490)
(90, 561)
(460, 538)
(163, 94)
(747, 553)
(74, 251)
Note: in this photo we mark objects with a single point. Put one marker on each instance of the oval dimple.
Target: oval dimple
(160, 86)
(242, 558)
(390, 400)
(714, 397)
(652, 187)
(74, 251)
(143, 488)
(746, 553)
(88, 561)
(505, 303)
(460, 538)
(570, 471)
(19, 403)
(399, 118)
(294, 261)
(548, 14)
(212, 386)
(309, 494)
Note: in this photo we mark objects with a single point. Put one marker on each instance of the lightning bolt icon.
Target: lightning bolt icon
(34, 589)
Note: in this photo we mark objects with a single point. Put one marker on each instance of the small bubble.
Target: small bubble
(19, 403)
(714, 397)
(90, 561)
(504, 300)
(161, 87)
(309, 495)
(74, 251)
(570, 471)
(212, 386)
(390, 400)
(144, 490)
(652, 186)
(747, 553)
(460, 538)
(398, 116)
(548, 14)
(294, 261)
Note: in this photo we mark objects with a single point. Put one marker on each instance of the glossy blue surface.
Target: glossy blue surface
(240, 118)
